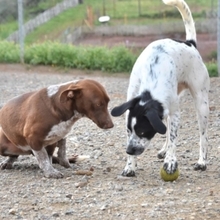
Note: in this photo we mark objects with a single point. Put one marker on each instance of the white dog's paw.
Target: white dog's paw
(161, 154)
(170, 165)
(201, 167)
(128, 172)
(130, 167)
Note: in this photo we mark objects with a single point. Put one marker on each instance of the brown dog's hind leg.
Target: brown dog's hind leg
(7, 149)
(63, 161)
(8, 163)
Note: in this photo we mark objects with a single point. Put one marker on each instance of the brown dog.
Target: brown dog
(37, 122)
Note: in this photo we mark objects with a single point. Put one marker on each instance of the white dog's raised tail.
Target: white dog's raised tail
(185, 12)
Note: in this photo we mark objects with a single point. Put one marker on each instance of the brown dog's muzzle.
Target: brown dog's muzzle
(109, 124)
(104, 124)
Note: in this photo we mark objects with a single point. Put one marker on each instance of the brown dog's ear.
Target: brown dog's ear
(70, 94)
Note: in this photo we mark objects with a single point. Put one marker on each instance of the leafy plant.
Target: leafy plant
(212, 69)
(115, 59)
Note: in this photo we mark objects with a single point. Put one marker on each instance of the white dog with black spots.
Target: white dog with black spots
(162, 71)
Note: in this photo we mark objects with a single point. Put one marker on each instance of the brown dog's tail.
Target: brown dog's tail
(73, 159)
(186, 16)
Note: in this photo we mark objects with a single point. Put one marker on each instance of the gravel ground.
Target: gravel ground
(26, 194)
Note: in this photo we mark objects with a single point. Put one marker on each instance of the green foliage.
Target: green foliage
(7, 29)
(36, 7)
(115, 59)
(121, 12)
(9, 52)
(213, 55)
(212, 69)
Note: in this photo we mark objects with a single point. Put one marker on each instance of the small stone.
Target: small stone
(118, 188)
(69, 196)
(55, 214)
(108, 169)
(103, 207)
(81, 184)
(69, 212)
(12, 211)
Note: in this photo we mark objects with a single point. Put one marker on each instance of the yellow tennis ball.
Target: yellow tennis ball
(169, 177)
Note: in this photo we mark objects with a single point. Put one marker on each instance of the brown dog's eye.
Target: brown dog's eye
(99, 104)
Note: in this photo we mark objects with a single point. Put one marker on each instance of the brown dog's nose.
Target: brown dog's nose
(108, 124)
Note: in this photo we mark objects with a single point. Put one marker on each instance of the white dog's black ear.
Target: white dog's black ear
(119, 110)
(156, 122)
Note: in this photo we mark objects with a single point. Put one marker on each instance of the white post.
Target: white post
(218, 37)
(21, 29)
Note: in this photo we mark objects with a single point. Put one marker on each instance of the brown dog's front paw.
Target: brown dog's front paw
(53, 174)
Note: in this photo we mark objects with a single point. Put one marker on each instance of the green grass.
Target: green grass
(40, 7)
(153, 9)
(7, 28)
(121, 12)
(116, 59)
(212, 69)
(54, 28)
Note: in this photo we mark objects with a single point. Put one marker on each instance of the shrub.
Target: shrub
(9, 52)
(213, 55)
(212, 69)
(115, 59)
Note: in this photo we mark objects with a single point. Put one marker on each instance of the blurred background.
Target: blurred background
(133, 23)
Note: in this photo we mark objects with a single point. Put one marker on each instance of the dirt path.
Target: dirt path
(26, 194)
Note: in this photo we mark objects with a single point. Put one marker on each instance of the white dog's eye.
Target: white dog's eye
(140, 133)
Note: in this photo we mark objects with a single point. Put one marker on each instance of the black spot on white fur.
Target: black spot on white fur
(188, 42)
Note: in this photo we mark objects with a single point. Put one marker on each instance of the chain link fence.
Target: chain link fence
(147, 8)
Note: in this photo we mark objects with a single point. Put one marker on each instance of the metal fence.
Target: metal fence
(140, 8)
(41, 18)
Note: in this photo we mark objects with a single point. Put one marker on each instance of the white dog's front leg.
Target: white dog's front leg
(45, 164)
(170, 162)
(162, 153)
(130, 167)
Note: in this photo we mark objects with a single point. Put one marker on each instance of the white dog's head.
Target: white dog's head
(144, 120)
